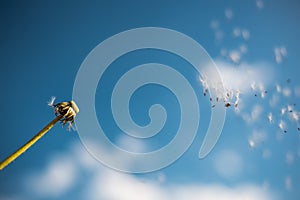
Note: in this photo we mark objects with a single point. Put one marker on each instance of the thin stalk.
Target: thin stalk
(26, 146)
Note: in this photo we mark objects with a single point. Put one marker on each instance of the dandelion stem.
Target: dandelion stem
(21, 150)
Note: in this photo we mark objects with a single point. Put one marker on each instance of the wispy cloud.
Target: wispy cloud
(55, 180)
(228, 164)
(62, 174)
(240, 77)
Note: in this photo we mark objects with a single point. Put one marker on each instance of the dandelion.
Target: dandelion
(65, 113)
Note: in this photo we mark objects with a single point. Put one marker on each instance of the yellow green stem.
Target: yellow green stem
(26, 146)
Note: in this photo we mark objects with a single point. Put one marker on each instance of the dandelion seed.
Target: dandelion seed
(235, 56)
(260, 4)
(295, 116)
(246, 34)
(228, 13)
(251, 143)
(282, 126)
(243, 48)
(278, 88)
(279, 53)
(286, 92)
(253, 85)
(236, 32)
(283, 51)
(270, 118)
(51, 102)
(237, 98)
(204, 85)
(289, 108)
(227, 105)
(282, 111)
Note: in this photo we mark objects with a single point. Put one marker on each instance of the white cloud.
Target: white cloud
(55, 180)
(228, 164)
(220, 192)
(102, 183)
(240, 77)
(131, 144)
(116, 186)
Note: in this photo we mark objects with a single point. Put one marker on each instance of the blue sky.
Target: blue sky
(43, 45)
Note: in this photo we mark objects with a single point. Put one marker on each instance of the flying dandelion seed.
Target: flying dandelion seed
(65, 113)
(229, 13)
(204, 85)
(253, 86)
(246, 34)
(289, 108)
(282, 126)
(251, 143)
(237, 98)
(278, 88)
(295, 116)
(282, 111)
(270, 118)
(260, 4)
